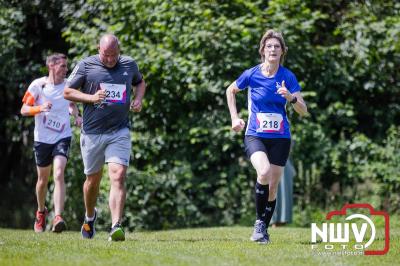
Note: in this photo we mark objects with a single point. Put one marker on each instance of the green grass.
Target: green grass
(207, 246)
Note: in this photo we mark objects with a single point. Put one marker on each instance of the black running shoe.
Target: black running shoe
(88, 231)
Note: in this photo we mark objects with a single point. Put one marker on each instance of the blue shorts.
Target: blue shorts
(277, 150)
(44, 152)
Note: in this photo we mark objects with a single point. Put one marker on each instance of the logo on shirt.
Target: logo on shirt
(100, 105)
(125, 74)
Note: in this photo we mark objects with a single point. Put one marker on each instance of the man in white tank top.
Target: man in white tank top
(52, 136)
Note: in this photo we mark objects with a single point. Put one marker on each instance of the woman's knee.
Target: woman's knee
(263, 175)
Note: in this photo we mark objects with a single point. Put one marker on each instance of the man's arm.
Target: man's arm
(27, 110)
(74, 111)
(78, 96)
(75, 81)
(136, 105)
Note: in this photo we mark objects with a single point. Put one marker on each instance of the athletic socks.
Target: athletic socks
(261, 192)
(89, 219)
(269, 211)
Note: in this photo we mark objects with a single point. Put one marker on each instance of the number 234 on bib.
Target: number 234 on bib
(115, 93)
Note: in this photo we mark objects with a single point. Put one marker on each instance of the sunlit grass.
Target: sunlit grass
(206, 246)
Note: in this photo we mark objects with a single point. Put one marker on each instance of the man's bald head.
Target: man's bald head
(109, 41)
(109, 50)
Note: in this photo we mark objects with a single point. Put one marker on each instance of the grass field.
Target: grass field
(206, 246)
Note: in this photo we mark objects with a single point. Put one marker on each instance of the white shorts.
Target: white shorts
(97, 149)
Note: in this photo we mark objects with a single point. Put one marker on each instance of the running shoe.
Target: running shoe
(117, 233)
(88, 231)
(40, 221)
(259, 231)
(265, 239)
(59, 224)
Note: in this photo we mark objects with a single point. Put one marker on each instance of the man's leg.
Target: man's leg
(41, 191)
(92, 149)
(59, 164)
(117, 173)
(117, 156)
(41, 186)
(91, 191)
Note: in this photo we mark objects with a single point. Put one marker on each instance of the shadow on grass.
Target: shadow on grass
(310, 243)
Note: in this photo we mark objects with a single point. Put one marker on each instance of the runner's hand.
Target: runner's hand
(136, 105)
(45, 107)
(99, 96)
(284, 92)
(238, 124)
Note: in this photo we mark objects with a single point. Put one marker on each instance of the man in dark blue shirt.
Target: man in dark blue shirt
(104, 83)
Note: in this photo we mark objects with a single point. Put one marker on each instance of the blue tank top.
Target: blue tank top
(267, 112)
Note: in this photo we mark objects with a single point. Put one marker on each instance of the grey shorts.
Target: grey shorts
(98, 149)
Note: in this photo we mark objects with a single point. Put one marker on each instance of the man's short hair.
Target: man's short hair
(53, 58)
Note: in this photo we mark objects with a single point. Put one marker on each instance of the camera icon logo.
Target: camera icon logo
(337, 235)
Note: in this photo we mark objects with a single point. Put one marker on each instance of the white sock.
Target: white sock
(89, 219)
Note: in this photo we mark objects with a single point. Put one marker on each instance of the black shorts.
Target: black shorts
(277, 150)
(44, 152)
